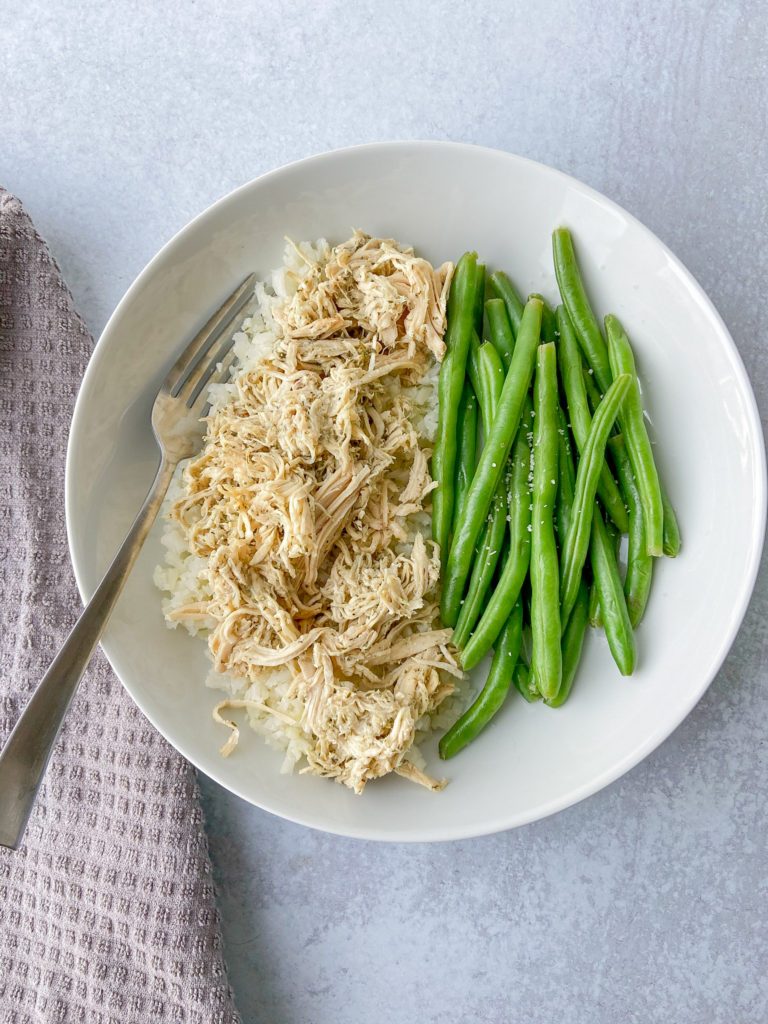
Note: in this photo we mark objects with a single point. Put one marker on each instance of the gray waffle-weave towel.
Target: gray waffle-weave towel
(107, 911)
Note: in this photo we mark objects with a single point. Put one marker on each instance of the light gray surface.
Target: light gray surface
(648, 902)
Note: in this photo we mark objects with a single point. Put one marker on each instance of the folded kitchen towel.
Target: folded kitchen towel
(107, 910)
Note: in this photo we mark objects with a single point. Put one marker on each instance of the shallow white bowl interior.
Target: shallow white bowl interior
(441, 198)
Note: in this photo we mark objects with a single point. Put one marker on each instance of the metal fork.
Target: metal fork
(176, 415)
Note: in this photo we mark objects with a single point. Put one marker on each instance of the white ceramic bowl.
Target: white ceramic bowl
(442, 198)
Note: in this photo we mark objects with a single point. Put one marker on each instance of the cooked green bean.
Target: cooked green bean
(613, 605)
(572, 376)
(490, 467)
(479, 296)
(492, 695)
(575, 299)
(595, 612)
(566, 485)
(487, 377)
(548, 321)
(571, 369)
(671, 529)
(500, 330)
(486, 332)
(573, 634)
(546, 660)
(504, 289)
(595, 615)
(460, 319)
(522, 682)
(636, 437)
(594, 395)
(637, 583)
(486, 368)
(483, 366)
(488, 556)
(466, 456)
(507, 590)
(573, 641)
(566, 478)
(671, 542)
(577, 542)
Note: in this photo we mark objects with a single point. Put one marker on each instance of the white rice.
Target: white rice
(183, 576)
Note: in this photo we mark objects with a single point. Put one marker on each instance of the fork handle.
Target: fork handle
(26, 753)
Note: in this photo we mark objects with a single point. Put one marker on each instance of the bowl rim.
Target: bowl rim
(760, 480)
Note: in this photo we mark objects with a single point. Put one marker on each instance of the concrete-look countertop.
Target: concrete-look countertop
(649, 901)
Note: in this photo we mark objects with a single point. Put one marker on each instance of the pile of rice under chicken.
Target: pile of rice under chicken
(298, 538)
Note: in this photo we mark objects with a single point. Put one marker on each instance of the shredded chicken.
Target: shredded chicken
(302, 503)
